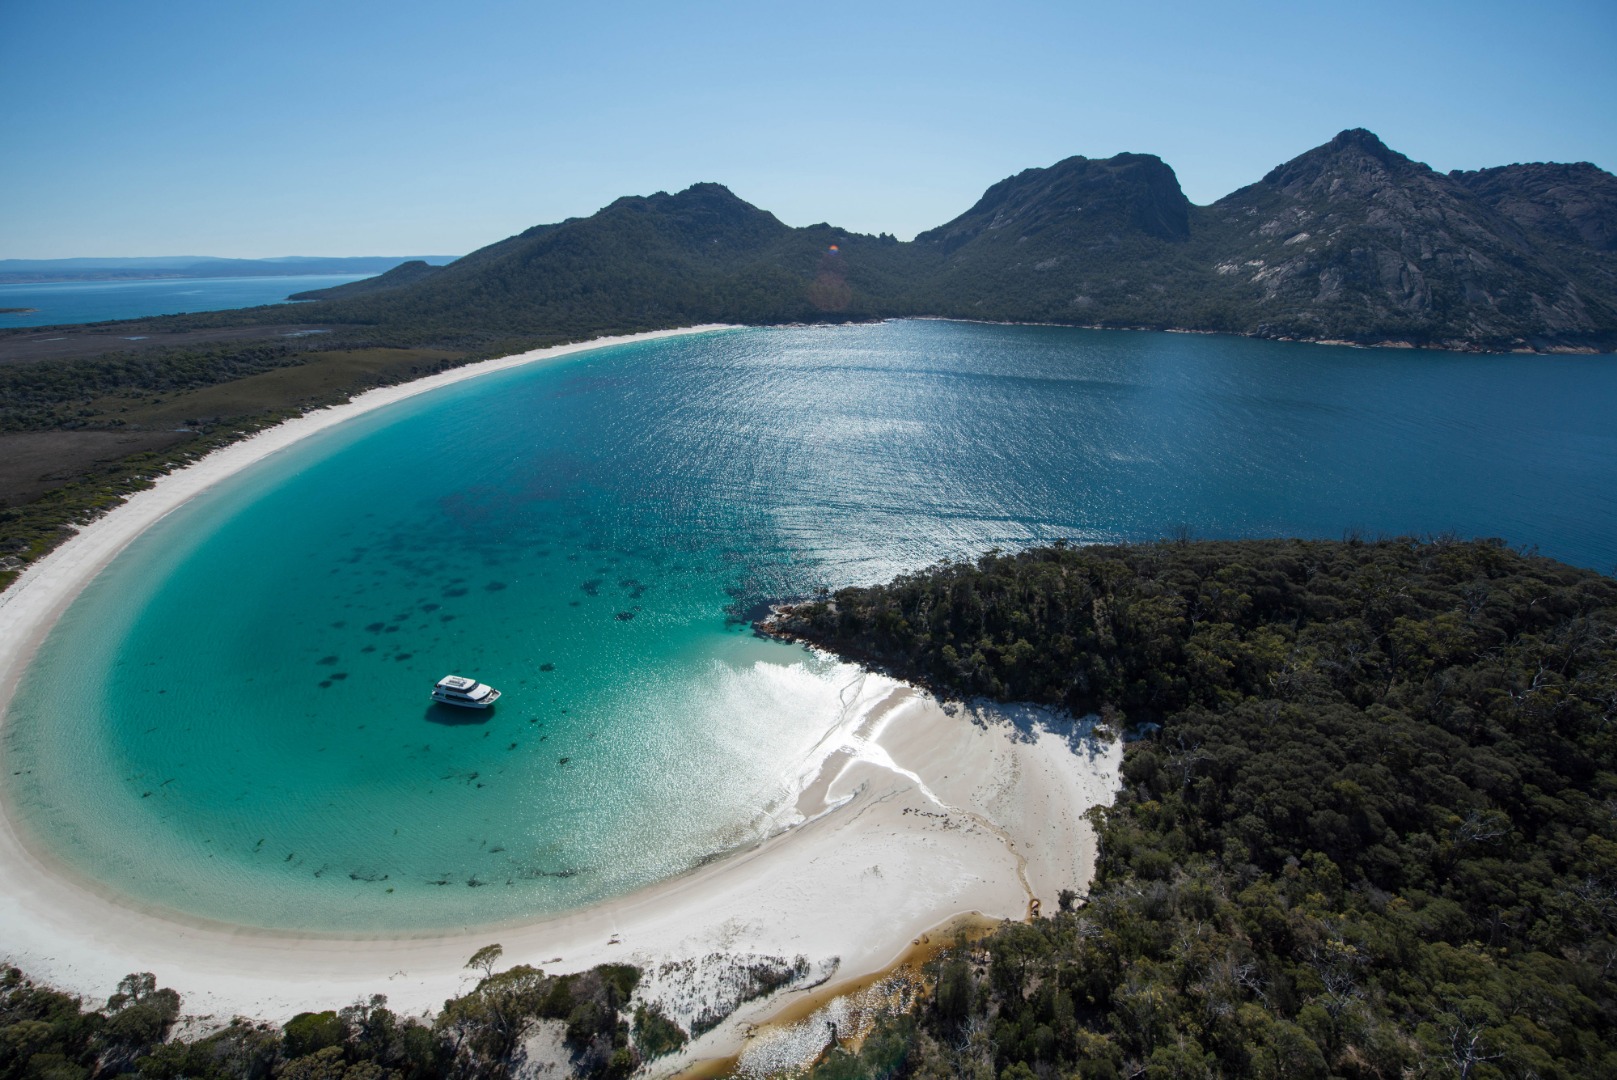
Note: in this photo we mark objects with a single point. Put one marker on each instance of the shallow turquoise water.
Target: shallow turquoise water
(232, 721)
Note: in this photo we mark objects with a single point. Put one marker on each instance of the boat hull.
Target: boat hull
(465, 703)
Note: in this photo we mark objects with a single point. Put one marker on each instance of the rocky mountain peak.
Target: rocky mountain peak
(1350, 164)
(1364, 141)
(1127, 193)
(1348, 241)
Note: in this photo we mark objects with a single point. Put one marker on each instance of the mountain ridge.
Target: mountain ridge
(1350, 241)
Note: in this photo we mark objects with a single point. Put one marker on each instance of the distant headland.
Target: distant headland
(31, 271)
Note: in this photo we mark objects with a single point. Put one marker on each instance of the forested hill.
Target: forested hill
(1349, 241)
(702, 255)
(1375, 834)
(406, 273)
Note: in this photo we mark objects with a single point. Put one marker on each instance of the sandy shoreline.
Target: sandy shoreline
(916, 813)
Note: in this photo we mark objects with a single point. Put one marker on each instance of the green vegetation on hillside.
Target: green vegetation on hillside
(1350, 240)
(207, 386)
(407, 273)
(702, 255)
(1375, 834)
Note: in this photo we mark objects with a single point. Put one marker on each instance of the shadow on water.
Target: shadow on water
(456, 716)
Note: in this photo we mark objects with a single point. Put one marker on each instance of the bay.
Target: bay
(232, 720)
(65, 302)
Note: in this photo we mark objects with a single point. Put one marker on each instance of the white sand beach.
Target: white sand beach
(918, 812)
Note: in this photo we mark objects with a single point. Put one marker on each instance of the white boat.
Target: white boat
(467, 693)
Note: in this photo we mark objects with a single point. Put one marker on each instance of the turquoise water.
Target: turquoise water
(233, 721)
(98, 301)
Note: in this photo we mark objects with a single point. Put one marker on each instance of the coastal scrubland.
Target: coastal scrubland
(45, 1033)
(515, 1019)
(1367, 824)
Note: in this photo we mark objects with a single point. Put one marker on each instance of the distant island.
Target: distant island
(17, 310)
(41, 271)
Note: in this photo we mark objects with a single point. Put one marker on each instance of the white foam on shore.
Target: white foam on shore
(902, 816)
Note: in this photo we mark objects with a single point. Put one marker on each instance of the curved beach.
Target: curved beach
(918, 812)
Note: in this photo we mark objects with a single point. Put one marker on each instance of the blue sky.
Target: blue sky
(281, 128)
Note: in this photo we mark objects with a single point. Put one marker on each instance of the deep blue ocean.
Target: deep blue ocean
(98, 301)
(232, 721)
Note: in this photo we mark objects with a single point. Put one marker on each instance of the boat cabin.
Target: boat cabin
(459, 690)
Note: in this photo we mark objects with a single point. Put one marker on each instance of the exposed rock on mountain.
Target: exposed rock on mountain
(1350, 241)
(1084, 200)
(1354, 240)
(1574, 205)
(1084, 241)
(1569, 210)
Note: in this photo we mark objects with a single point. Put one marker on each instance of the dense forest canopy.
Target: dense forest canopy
(1369, 828)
